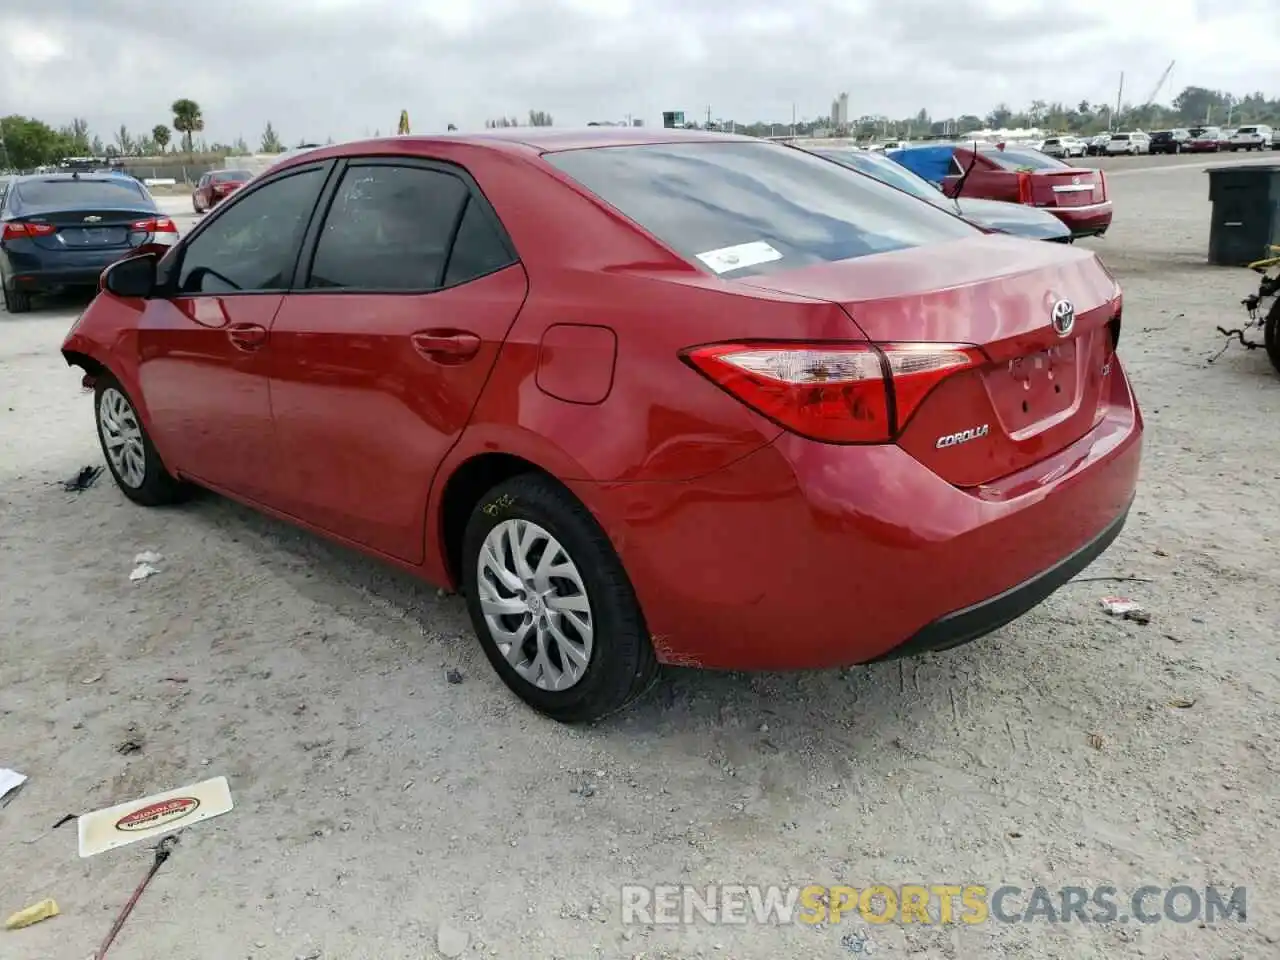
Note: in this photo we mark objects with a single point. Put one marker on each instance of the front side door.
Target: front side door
(380, 354)
(204, 347)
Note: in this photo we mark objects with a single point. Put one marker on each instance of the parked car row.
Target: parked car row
(415, 347)
(1075, 195)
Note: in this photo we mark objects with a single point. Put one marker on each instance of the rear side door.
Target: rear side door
(204, 345)
(409, 288)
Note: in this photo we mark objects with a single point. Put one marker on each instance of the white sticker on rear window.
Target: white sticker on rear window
(743, 255)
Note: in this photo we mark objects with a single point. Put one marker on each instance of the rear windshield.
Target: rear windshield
(746, 209)
(1015, 159)
(1247, 130)
(80, 194)
(1119, 137)
(222, 175)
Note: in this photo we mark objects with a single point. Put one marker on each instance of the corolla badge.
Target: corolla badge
(964, 436)
(1063, 317)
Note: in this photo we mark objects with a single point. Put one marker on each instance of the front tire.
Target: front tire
(131, 457)
(551, 603)
(1271, 335)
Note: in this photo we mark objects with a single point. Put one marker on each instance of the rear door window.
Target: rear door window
(389, 228)
(746, 209)
(252, 245)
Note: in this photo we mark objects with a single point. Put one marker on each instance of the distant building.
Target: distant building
(840, 111)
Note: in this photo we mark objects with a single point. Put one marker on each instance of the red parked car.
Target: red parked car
(216, 186)
(1207, 140)
(1075, 195)
(642, 396)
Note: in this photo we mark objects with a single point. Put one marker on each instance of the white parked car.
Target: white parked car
(1064, 147)
(1256, 137)
(1132, 143)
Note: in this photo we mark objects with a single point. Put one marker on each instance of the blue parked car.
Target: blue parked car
(64, 229)
(997, 215)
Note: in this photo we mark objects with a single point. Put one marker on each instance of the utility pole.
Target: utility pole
(708, 116)
(793, 119)
(1115, 117)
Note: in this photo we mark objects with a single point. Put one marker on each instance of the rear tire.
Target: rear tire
(16, 301)
(551, 603)
(131, 458)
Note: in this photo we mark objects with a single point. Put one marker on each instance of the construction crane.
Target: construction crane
(1160, 84)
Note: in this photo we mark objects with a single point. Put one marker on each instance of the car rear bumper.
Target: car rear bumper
(1086, 221)
(48, 269)
(809, 555)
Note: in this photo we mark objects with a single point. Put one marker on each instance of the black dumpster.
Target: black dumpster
(1246, 213)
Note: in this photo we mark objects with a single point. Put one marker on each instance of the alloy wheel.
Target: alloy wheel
(535, 604)
(122, 438)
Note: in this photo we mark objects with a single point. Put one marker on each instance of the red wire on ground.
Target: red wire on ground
(162, 854)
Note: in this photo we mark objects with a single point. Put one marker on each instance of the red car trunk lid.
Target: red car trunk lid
(1067, 188)
(1043, 384)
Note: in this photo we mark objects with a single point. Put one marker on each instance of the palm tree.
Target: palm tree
(160, 134)
(187, 120)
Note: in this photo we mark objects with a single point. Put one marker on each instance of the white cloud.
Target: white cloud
(341, 68)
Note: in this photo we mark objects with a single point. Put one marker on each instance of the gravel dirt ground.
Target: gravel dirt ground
(381, 808)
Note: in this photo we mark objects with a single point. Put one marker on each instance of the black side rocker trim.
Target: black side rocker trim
(961, 626)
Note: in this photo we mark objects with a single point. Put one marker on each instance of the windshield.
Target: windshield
(752, 208)
(890, 172)
(1012, 158)
(80, 194)
(222, 176)
(1247, 130)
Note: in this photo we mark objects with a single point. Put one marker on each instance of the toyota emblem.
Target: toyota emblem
(1063, 317)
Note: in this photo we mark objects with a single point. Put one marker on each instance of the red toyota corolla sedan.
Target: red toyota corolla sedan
(643, 397)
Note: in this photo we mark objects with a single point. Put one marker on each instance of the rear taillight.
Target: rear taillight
(833, 393)
(1102, 181)
(1024, 188)
(15, 231)
(155, 225)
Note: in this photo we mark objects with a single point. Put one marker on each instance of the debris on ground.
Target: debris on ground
(151, 816)
(83, 480)
(1096, 741)
(94, 679)
(451, 942)
(1182, 703)
(1125, 609)
(129, 747)
(163, 849)
(32, 914)
(10, 780)
(453, 675)
(145, 565)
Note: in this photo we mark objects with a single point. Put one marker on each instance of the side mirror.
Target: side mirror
(132, 278)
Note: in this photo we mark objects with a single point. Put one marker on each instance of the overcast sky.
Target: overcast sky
(345, 68)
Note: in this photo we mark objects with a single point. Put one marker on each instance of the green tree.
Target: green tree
(539, 118)
(97, 148)
(160, 134)
(29, 143)
(187, 120)
(124, 142)
(271, 140)
(241, 149)
(76, 135)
